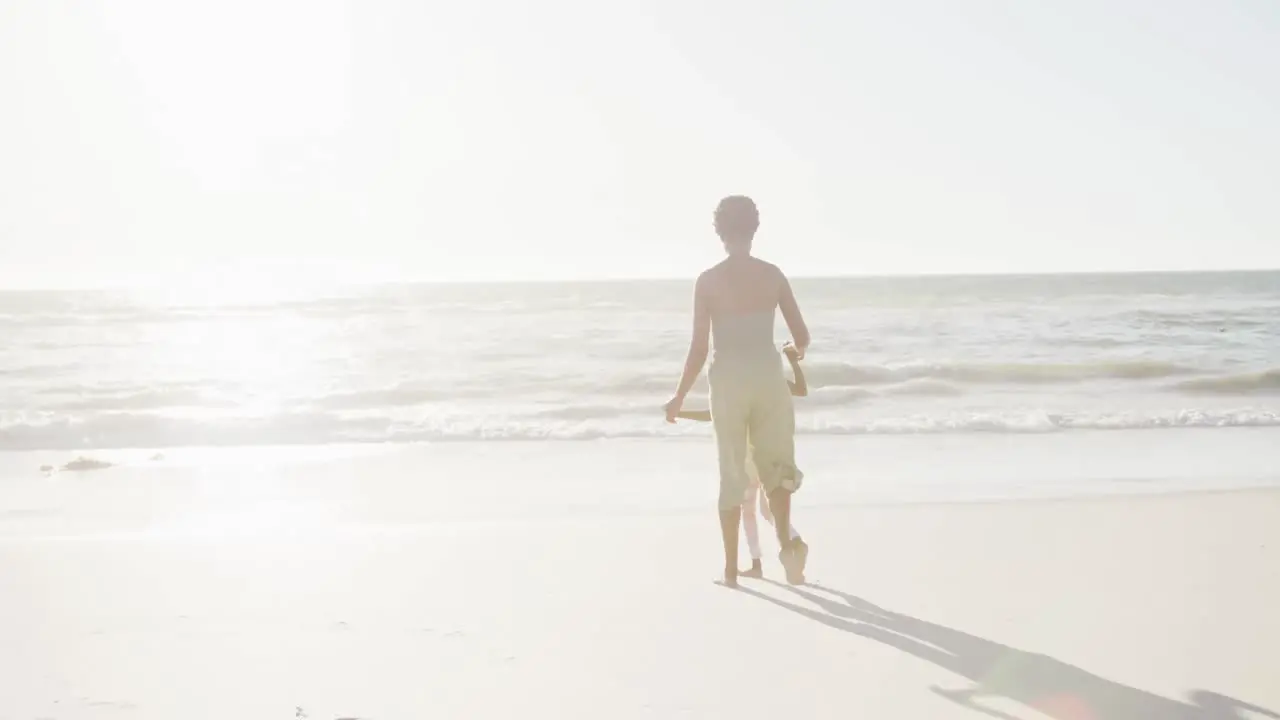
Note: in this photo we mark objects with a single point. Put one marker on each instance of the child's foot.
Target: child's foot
(756, 570)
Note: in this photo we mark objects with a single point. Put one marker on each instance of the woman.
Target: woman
(736, 301)
(798, 388)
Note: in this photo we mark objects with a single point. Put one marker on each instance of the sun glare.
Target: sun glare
(232, 285)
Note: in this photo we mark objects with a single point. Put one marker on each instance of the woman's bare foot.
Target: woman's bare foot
(731, 577)
(756, 570)
(793, 558)
(802, 549)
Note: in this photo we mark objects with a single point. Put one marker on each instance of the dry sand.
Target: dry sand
(338, 588)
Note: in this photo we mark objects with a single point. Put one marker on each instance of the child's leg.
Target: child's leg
(765, 512)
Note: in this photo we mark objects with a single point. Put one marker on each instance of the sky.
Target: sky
(146, 141)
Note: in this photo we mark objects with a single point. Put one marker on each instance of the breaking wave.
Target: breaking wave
(141, 430)
(993, 373)
(1260, 383)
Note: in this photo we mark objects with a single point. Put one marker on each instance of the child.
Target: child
(799, 389)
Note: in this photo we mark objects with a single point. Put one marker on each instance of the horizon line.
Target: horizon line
(102, 287)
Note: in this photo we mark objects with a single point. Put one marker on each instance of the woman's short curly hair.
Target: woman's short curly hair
(737, 217)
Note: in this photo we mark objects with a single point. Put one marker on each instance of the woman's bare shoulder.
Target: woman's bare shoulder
(706, 278)
(712, 275)
(738, 282)
(773, 267)
(770, 271)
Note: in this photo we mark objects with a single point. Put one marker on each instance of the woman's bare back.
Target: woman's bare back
(741, 286)
(747, 285)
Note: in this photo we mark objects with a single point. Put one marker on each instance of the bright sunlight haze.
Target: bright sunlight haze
(503, 140)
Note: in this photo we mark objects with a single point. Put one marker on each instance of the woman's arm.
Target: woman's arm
(799, 388)
(791, 314)
(699, 346)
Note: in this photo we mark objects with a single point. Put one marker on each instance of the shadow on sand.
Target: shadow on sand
(1050, 686)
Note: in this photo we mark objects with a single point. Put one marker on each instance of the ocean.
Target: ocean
(412, 363)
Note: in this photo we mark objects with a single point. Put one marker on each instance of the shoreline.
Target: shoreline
(1207, 458)
(686, 436)
(309, 491)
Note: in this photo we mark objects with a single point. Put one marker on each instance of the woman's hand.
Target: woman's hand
(673, 407)
(794, 353)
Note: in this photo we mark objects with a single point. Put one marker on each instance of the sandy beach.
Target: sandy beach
(375, 360)
(568, 580)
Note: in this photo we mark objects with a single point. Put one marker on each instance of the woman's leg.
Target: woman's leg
(729, 533)
(729, 418)
(768, 516)
(772, 435)
(749, 526)
(780, 503)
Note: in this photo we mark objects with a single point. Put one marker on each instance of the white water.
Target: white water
(412, 363)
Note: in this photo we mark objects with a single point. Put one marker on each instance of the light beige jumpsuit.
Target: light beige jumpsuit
(750, 405)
